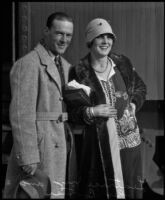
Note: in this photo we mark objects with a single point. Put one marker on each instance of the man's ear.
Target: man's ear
(46, 31)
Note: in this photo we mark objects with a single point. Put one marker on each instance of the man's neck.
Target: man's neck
(51, 53)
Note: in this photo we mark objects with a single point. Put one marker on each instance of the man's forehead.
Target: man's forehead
(57, 22)
(62, 26)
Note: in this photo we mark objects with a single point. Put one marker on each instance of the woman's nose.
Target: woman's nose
(105, 39)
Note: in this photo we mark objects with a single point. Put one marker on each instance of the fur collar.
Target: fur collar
(87, 76)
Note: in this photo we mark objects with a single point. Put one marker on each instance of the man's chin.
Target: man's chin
(61, 51)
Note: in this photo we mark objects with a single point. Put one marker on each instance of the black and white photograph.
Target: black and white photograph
(82, 100)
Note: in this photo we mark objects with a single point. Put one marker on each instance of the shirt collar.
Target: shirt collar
(52, 55)
(112, 72)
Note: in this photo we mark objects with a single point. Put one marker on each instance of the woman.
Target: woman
(110, 161)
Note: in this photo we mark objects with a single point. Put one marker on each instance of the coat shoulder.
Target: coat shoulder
(27, 62)
(123, 64)
(120, 59)
(31, 57)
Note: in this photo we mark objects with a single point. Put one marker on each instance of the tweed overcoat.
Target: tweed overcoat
(35, 108)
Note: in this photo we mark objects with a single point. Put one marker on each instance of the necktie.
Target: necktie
(62, 77)
(60, 70)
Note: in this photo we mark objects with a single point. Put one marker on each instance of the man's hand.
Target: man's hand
(30, 169)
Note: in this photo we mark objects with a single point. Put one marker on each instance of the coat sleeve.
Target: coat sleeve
(135, 85)
(139, 91)
(24, 87)
(77, 114)
(138, 88)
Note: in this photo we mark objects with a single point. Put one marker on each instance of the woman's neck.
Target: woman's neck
(101, 62)
(101, 66)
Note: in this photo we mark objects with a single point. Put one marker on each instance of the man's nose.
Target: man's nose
(64, 38)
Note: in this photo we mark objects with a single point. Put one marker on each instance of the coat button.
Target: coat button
(56, 145)
(61, 98)
(57, 121)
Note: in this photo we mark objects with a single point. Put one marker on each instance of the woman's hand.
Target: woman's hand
(104, 110)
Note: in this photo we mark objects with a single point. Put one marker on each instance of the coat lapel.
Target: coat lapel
(88, 77)
(53, 72)
(51, 69)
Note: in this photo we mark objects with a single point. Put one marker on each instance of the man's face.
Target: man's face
(59, 36)
(102, 45)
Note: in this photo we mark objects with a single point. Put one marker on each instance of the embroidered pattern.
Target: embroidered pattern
(131, 140)
(120, 94)
(127, 128)
(109, 91)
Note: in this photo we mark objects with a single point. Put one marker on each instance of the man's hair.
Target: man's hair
(59, 16)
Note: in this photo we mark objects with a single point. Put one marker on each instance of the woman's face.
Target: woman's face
(102, 45)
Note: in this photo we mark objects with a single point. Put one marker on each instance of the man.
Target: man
(37, 111)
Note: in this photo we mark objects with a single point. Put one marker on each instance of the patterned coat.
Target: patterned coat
(35, 111)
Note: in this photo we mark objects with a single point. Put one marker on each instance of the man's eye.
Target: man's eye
(58, 33)
(69, 35)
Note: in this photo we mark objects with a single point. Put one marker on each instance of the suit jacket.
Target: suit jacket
(37, 120)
